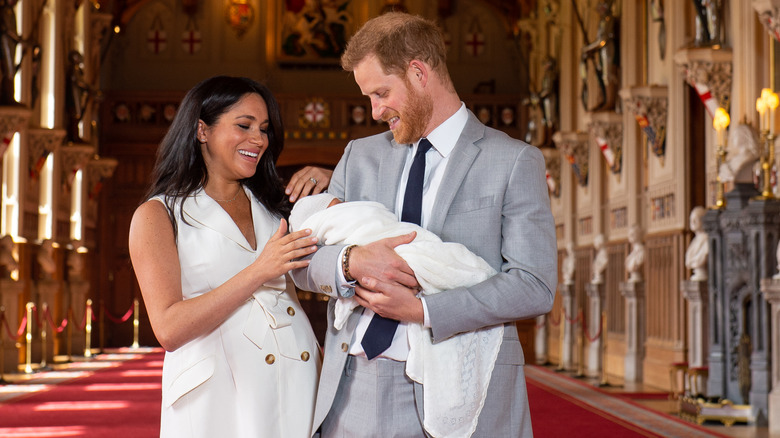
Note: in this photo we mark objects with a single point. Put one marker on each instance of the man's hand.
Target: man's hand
(380, 261)
(390, 300)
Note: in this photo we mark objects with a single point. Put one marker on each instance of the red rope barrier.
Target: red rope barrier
(83, 324)
(121, 319)
(8, 328)
(49, 318)
(553, 321)
(598, 333)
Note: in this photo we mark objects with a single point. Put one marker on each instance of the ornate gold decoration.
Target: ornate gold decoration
(649, 107)
(769, 15)
(574, 147)
(42, 142)
(607, 131)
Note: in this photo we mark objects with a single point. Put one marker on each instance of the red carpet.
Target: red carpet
(554, 415)
(565, 407)
(118, 395)
(120, 400)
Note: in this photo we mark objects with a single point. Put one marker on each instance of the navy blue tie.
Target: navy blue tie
(381, 330)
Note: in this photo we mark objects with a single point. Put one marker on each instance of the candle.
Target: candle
(720, 122)
(772, 103)
(761, 108)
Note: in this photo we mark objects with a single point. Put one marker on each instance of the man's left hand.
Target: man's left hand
(390, 300)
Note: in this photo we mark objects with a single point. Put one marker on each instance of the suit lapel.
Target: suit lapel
(207, 213)
(390, 168)
(460, 161)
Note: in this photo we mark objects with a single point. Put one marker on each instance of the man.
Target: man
(479, 188)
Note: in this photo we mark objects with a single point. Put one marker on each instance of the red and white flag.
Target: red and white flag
(709, 101)
(608, 154)
(550, 181)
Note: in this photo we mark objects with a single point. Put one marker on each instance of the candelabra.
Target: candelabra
(766, 105)
(720, 122)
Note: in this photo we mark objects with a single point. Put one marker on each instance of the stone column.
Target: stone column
(695, 292)
(11, 303)
(49, 294)
(634, 294)
(569, 313)
(540, 343)
(771, 290)
(595, 304)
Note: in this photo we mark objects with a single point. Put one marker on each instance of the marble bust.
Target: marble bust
(600, 261)
(635, 258)
(568, 264)
(698, 249)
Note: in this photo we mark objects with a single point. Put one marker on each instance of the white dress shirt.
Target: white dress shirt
(443, 140)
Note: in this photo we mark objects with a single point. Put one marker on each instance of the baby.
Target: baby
(455, 372)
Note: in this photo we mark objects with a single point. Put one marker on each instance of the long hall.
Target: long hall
(656, 118)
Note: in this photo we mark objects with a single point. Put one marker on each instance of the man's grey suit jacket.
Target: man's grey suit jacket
(494, 200)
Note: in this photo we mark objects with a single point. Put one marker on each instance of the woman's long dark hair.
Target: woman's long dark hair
(180, 169)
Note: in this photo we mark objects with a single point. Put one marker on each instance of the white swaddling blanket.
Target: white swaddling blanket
(455, 372)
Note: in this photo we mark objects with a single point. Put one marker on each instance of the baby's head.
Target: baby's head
(308, 205)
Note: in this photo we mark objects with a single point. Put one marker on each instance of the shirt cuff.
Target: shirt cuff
(346, 288)
(426, 317)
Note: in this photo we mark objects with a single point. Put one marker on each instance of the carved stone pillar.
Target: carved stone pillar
(596, 336)
(540, 344)
(552, 164)
(78, 289)
(11, 298)
(770, 287)
(574, 147)
(769, 15)
(634, 294)
(761, 224)
(41, 142)
(568, 314)
(607, 131)
(695, 292)
(649, 106)
(73, 157)
(709, 71)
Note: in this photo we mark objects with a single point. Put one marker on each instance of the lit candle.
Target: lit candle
(772, 103)
(720, 122)
(761, 108)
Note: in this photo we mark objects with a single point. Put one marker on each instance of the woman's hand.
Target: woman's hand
(283, 251)
(310, 180)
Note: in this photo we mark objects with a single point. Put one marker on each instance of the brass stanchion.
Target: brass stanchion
(28, 362)
(43, 338)
(88, 330)
(135, 323)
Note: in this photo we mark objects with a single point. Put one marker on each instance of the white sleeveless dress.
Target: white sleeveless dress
(256, 374)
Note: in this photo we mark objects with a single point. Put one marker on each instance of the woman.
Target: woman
(210, 251)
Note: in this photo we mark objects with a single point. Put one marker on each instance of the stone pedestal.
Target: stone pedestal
(594, 350)
(569, 330)
(771, 290)
(44, 336)
(634, 294)
(540, 344)
(11, 303)
(695, 292)
(78, 292)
